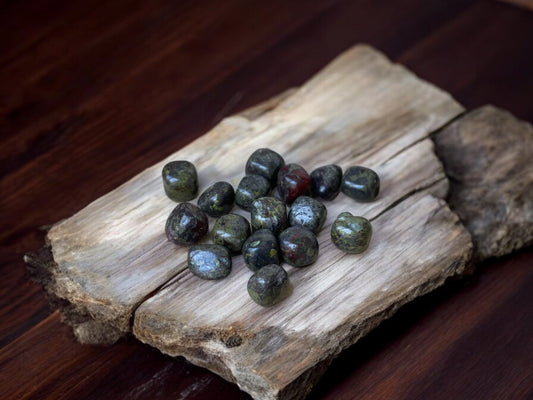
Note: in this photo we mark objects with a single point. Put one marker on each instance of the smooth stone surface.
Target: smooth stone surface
(299, 246)
(326, 181)
(231, 231)
(293, 181)
(351, 233)
(209, 261)
(308, 213)
(186, 224)
(217, 199)
(180, 180)
(265, 162)
(360, 183)
(261, 249)
(251, 188)
(269, 285)
(269, 213)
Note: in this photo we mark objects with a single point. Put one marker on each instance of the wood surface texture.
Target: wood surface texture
(77, 84)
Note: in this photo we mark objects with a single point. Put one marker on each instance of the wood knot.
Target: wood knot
(232, 341)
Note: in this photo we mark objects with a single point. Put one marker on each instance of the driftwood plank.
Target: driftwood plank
(113, 253)
(488, 156)
(112, 263)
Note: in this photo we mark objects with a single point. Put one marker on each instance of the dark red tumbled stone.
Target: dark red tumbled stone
(299, 246)
(186, 224)
(293, 181)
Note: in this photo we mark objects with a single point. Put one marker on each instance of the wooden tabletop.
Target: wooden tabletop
(93, 92)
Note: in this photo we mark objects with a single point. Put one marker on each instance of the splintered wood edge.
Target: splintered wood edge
(86, 329)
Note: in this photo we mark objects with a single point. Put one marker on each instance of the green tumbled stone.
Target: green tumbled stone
(350, 233)
(360, 183)
(209, 261)
(186, 224)
(269, 285)
(217, 199)
(261, 249)
(265, 162)
(180, 180)
(299, 246)
(251, 188)
(269, 213)
(231, 231)
(307, 212)
(326, 181)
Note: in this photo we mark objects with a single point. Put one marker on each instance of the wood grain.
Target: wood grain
(477, 50)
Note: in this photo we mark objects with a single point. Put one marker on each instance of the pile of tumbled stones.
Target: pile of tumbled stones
(277, 235)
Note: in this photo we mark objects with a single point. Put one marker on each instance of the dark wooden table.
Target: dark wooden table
(93, 92)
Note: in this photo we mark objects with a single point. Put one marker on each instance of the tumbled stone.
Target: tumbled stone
(209, 261)
(269, 213)
(308, 213)
(265, 162)
(231, 231)
(293, 181)
(261, 249)
(217, 199)
(360, 183)
(269, 285)
(299, 246)
(186, 224)
(251, 188)
(351, 233)
(326, 181)
(180, 180)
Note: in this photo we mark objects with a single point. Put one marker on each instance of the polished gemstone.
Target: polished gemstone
(293, 181)
(269, 213)
(251, 187)
(269, 285)
(186, 224)
(180, 180)
(360, 183)
(231, 231)
(307, 212)
(351, 233)
(299, 246)
(209, 261)
(261, 249)
(326, 181)
(217, 199)
(265, 162)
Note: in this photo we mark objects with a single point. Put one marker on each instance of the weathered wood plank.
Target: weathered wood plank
(113, 253)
